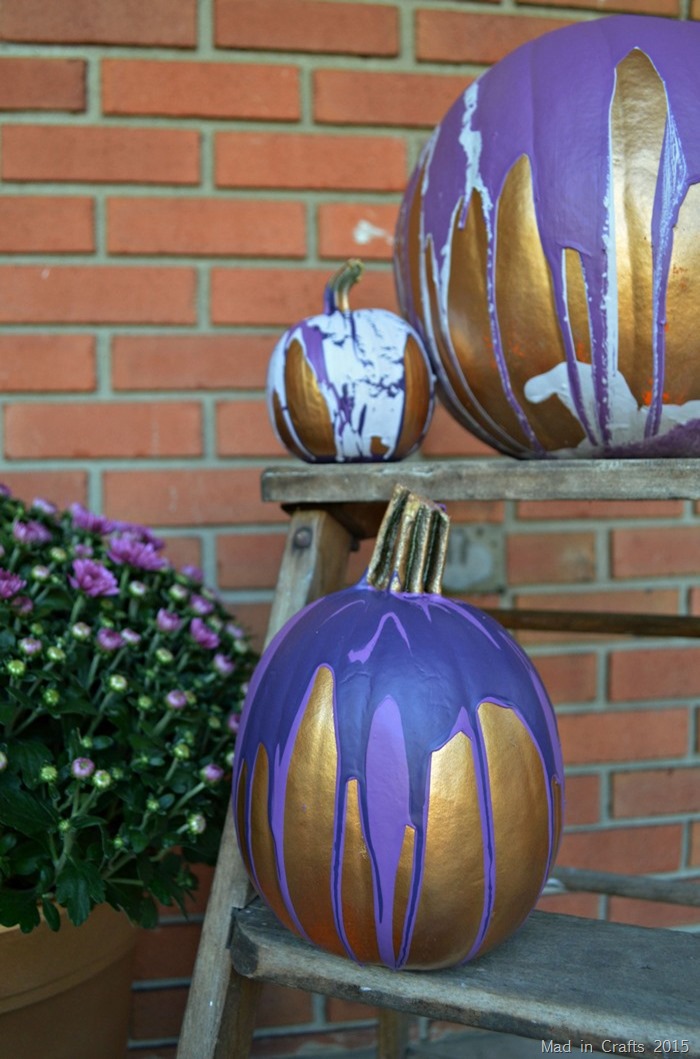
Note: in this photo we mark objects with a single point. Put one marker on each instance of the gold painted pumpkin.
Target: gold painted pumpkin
(350, 386)
(548, 248)
(398, 778)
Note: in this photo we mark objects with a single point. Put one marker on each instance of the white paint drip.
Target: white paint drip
(365, 232)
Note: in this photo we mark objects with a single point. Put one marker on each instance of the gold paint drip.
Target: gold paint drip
(520, 817)
(306, 406)
(411, 546)
(402, 888)
(638, 124)
(309, 816)
(416, 403)
(451, 902)
(357, 888)
(682, 381)
(577, 305)
(262, 845)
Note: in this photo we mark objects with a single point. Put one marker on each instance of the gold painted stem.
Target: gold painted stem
(411, 547)
(340, 283)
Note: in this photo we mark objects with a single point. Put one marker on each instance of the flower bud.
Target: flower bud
(214, 723)
(58, 554)
(3, 761)
(144, 703)
(40, 572)
(131, 637)
(82, 768)
(30, 646)
(196, 824)
(137, 589)
(152, 804)
(181, 751)
(164, 656)
(64, 826)
(212, 773)
(176, 699)
(81, 631)
(51, 696)
(102, 779)
(56, 654)
(48, 774)
(118, 683)
(233, 722)
(16, 667)
(178, 592)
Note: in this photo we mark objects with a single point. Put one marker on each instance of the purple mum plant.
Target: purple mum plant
(121, 683)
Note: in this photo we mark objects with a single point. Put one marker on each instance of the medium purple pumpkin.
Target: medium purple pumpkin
(398, 778)
(350, 386)
(548, 247)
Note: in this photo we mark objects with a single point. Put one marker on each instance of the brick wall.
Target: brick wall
(178, 179)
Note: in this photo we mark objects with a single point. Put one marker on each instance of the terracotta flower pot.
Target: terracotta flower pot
(66, 995)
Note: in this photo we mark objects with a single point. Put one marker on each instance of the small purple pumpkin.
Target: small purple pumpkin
(398, 778)
(350, 386)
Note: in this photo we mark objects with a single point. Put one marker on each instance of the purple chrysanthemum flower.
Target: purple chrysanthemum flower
(30, 646)
(167, 621)
(127, 548)
(223, 664)
(31, 532)
(5, 490)
(82, 768)
(234, 631)
(176, 699)
(193, 572)
(88, 520)
(233, 722)
(22, 604)
(203, 635)
(83, 551)
(200, 605)
(10, 584)
(93, 578)
(142, 533)
(131, 637)
(40, 504)
(212, 773)
(109, 639)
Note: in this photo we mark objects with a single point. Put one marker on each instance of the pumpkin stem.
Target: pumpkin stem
(409, 554)
(338, 286)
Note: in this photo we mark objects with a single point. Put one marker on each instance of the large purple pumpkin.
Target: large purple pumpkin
(398, 778)
(548, 248)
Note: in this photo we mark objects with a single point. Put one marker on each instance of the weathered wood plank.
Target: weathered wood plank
(220, 1006)
(496, 478)
(608, 623)
(643, 887)
(560, 978)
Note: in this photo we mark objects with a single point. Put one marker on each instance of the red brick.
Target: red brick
(284, 296)
(339, 1010)
(201, 89)
(651, 913)
(206, 226)
(569, 678)
(695, 844)
(598, 510)
(100, 154)
(458, 36)
(659, 673)
(347, 229)
(310, 160)
(159, 22)
(354, 97)
(183, 551)
(60, 487)
(98, 429)
(651, 792)
(254, 618)
(243, 428)
(447, 437)
(634, 850)
(191, 362)
(105, 294)
(307, 26)
(249, 560)
(582, 797)
(166, 951)
(43, 363)
(631, 7)
(551, 557)
(657, 552)
(33, 224)
(623, 735)
(202, 497)
(280, 1006)
(42, 84)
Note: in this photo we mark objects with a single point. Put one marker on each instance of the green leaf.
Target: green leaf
(23, 811)
(19, 908)
(7, 640)
(29, 756)
(51, 914)
(78, 888)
